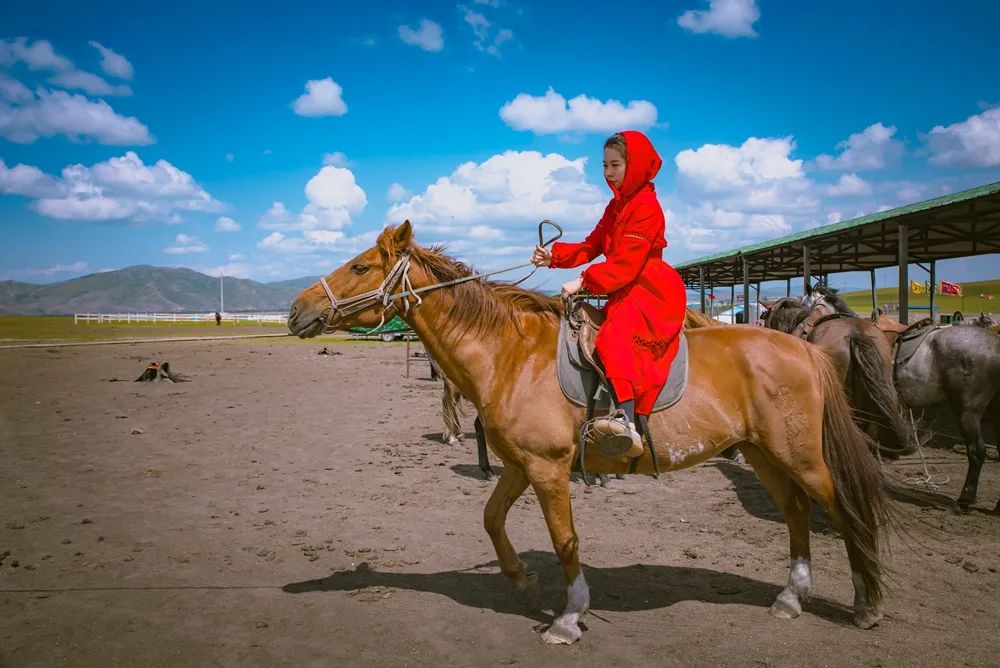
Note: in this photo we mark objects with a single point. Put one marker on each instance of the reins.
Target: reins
(400, 275)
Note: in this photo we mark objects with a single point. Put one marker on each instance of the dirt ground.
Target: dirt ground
(286, 508)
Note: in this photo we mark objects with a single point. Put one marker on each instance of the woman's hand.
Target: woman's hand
(541, 257)
(572, 287)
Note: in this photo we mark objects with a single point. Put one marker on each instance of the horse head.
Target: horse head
(355, 294)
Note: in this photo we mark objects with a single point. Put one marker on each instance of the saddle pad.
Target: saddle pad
(910, 340)
(578, 379)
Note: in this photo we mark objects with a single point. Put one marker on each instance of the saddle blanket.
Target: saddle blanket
(579, 380)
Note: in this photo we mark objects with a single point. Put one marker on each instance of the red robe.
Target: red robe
(647, 298)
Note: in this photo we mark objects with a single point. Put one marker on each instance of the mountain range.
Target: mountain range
(144, 288)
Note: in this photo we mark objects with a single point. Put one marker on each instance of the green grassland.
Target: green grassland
(861, 301)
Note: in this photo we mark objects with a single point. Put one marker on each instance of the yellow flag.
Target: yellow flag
(917, 288)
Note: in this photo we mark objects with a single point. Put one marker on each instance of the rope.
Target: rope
(928, 480)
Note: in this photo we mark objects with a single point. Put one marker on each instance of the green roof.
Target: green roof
(985, 190)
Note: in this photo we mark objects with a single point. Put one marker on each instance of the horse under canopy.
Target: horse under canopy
(777, 398)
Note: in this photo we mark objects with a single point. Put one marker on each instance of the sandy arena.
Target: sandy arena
(290, 509)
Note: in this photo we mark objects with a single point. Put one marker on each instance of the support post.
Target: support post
(788, 287)
(746, 291)
(701, 286)
(874, 295)
(903, 260)
(933, 273)
(806, 277)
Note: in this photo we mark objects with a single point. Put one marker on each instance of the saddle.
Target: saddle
(809, 324)
(581, 374)
(909, 342)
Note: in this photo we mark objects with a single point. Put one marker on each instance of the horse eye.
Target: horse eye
(359, 268)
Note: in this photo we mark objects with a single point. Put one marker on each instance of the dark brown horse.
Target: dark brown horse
(862, 356)
(776, 397)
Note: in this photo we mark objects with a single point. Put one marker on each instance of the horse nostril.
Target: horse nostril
(291, 314)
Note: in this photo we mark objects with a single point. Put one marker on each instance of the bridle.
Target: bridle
(399, 276)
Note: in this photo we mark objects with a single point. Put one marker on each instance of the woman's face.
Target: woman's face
(614, 167)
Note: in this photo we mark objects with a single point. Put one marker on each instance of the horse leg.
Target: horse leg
(793, 502)
(975, 450)
(553, 496)
(819, 485)
(449, 408)
(509, 488)
(484, 460)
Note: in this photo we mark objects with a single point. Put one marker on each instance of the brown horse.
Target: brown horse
(860, 353)
(776, 397)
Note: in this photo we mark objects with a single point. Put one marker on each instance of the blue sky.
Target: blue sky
(274, 142)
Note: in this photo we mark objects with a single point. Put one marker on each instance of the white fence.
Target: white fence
(153, 318)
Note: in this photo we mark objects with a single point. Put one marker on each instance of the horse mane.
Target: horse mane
(482, 306)
(696, 319)
(786, 314)
(834, 299)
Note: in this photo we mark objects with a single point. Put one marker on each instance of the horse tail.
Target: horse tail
(857, 479)
(896, 436)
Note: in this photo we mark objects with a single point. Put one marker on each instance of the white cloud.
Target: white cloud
(37, 55)
(28, 181)
(13, 90)
(276, 217)
(975, 142)
(48, 272)
(428, 35)
(849, 185)
(90, 83)
(323, 97)
(503, 197)
(57, 112)
(396, 192)
(318, 241)
(226, 224)
(116, 189)
(231, 269)
(333, 197)
(551, 113)
(757, 176)
(732, 18)
(482, 28)
(336, 159)
(185, 244)
(113, 64)
(872, 148)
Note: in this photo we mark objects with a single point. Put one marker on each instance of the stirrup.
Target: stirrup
(614, 435)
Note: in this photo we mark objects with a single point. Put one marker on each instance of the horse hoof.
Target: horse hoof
(562, 634)
(453, 441)
(528, 591)
(866, 619)
(785, 607)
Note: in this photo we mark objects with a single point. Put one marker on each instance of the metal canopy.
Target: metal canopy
(959, 225)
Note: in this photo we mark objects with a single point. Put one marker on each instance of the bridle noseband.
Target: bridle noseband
(400, 273)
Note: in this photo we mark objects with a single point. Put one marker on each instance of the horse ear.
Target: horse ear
(394, 239)
(403, 235)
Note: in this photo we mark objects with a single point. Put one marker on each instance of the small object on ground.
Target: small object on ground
(158, 371)
(136, 431)
(328, 352)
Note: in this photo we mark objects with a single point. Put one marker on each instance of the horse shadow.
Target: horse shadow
(757, 501)
(637, 587)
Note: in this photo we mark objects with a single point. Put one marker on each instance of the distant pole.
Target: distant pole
(933, 273)
(222, 299)
(874, 293)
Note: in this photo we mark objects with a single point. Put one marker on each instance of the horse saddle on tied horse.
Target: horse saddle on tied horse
(581, 374)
